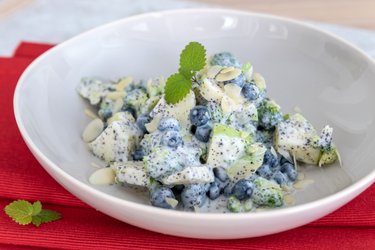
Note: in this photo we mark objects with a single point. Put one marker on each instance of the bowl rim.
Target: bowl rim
(355, 187)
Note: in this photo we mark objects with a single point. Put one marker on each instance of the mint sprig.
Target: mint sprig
(178, 85)
(24, 213)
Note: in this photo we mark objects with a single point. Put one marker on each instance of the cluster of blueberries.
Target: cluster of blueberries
(277, 168)
(171, 134)
(249, 90)
(200, 119)
(273, 168)
(226, 59)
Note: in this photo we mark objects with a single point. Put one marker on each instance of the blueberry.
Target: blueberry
(250, 92)
(234, 205)
(199, 115)
(222, 184)
(239, 81)
(203, 132)
(216, 188)
(158, 197)
(270, 159)
(214, 191)
(171, 139)
(243, 189)
(138, 154)
(207, 187)
(269, 115)
(264, 171)
(280, 178)
(194, 195)
(283, 160)
(220, 173)
(169, 124)
(228, 189)
(142, 120)
(289, 170)
(225, 59)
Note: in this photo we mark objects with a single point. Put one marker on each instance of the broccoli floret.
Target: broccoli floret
(234, 205)
(225, 59)
(267, 193)
(247, 205)
(269, 114)
(136, 99)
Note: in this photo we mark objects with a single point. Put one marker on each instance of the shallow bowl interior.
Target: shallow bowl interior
(326, 78)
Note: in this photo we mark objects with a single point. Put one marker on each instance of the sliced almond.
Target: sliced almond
(222, 77)
(210, 91)
(124, 83)
(118, 105)
(259, 81)
(227, 105)
(116, 95)
(103, 176)
(213, 71)
(226, 70)
(93, 130)
(234, 92)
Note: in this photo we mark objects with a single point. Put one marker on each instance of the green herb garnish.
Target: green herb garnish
(24, 213)
(178, 85)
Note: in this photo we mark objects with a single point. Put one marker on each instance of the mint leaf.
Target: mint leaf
(20, 211)
(176, 88)
(192, 59)
(37, 207)
(36, 221)
(47, 215)
(24, 213)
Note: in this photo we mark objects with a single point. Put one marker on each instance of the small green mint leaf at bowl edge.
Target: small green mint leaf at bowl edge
(48, 215)
(20, 211)
(176, 88)
(37, 207)
(192, 59)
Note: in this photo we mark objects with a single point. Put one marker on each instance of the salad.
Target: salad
(208, 136)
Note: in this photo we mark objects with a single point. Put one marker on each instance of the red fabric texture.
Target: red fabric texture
(21, 177)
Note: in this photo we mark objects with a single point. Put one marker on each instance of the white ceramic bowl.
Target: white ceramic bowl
(329, 79)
